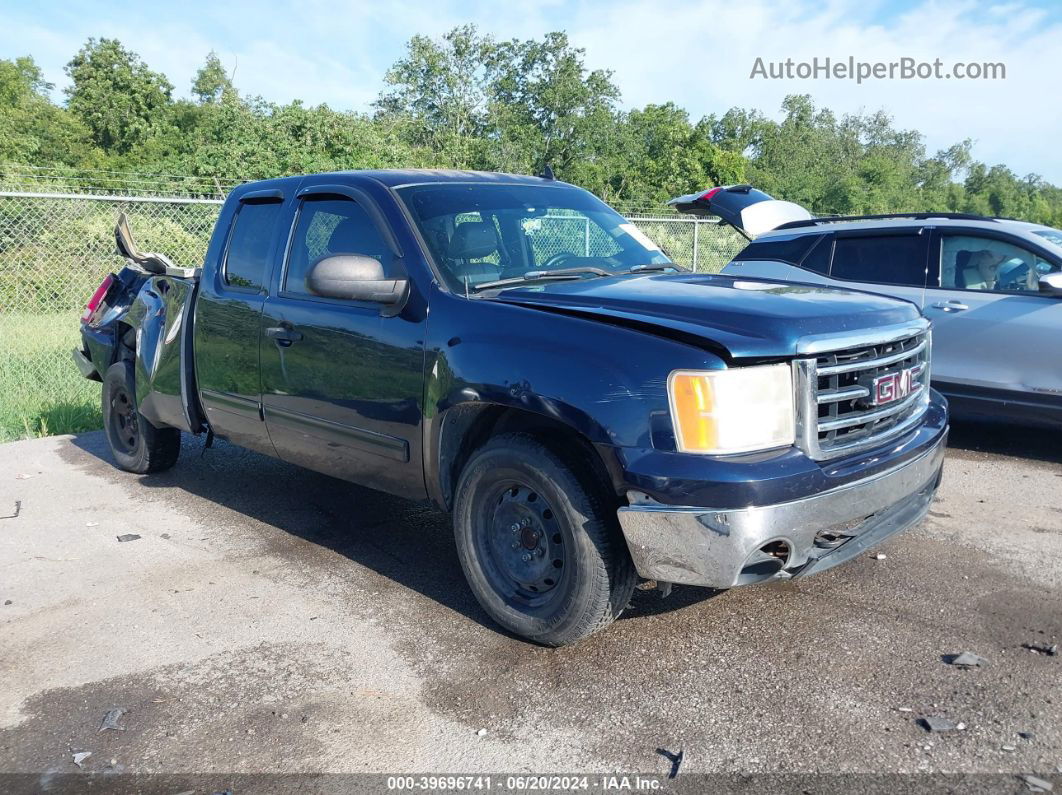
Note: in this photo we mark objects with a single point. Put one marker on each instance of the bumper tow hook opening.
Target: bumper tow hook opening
(764, 563)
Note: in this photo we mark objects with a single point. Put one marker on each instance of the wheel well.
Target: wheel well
(467, 428)
(124, 342)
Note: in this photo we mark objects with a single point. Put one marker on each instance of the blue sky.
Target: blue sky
(698, 53)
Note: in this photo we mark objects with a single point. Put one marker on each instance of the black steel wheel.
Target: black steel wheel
(521, 544)
(539, 542)
(137, 445)
(124, 428)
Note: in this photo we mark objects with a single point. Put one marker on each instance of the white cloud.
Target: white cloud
(701, 55)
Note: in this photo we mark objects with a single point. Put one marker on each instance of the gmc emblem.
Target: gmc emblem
(891, 387)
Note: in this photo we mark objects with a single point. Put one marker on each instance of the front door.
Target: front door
(342, 385)
(994, 334)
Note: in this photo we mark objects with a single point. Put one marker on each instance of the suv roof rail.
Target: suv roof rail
(829, 219)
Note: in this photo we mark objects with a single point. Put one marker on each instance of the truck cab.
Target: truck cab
(512, 350)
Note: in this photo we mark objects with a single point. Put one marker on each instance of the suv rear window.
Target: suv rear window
(792, 250)
(884, 259)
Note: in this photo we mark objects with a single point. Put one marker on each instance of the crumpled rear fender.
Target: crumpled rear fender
(161, 316)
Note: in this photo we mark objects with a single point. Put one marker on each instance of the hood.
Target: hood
(749, 318)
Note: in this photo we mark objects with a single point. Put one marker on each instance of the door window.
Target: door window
(971, 262)
(327, 226)
(250, 244)
(883, 259)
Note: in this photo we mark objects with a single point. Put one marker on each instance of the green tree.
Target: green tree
(33, 129)
(211, 82)
(439, 91)
(115, 94)
(548, 108)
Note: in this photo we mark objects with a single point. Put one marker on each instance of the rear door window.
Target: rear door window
(881, 259)
(247, 258)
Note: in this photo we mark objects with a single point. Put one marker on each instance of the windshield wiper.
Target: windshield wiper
(538, 276)
(650, 267)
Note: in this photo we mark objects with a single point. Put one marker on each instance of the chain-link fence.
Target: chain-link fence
(56, 248)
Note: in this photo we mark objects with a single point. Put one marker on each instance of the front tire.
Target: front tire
(136, 444)
(539, 542)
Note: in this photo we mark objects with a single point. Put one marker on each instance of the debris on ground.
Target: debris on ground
(966, 659)
(81, 756)
(1007, 748)
(110, 721)
(674, 759)
(7, 602)
(22, 476)
(15, 513)
(904, 709)
(92, 524)
(128, 537)
(935, 723)
(481, 733)
(880, 556)
(1036, 784)
(1025, 735)
(1042, 648)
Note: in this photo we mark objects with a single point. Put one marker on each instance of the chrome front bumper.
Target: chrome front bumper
(726, 548)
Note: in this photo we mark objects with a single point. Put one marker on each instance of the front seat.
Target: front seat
(473, 240)
(962, 262)
(357, 235)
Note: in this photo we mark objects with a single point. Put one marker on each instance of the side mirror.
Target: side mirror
(1051, 283)
(354, 277)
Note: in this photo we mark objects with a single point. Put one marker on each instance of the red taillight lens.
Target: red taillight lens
(707, 195)
(97, 299)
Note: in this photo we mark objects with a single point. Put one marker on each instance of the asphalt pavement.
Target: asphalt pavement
(269, 620)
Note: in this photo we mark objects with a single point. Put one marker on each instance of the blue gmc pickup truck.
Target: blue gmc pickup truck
(522, 356)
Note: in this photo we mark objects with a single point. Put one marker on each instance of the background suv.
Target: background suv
(991, 286)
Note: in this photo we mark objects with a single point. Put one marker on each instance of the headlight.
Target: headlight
(732, 411)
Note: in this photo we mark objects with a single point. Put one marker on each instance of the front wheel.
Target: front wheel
(539, 543)
(137, 445)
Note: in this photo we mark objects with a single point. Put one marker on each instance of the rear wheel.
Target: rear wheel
(137, 445)
(539, 542)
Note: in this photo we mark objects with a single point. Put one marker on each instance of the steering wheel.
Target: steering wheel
(557, 259)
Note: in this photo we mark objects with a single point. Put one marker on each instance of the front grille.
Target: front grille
(850, 401)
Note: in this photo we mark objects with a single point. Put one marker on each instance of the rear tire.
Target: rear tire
(136, 444)
(539, 542)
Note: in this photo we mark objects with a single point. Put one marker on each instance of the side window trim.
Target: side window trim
(248, 200)
(363, 200)
(823, 241)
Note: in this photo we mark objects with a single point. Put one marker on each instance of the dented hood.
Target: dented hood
(749, 318)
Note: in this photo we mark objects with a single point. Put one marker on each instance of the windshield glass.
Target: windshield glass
(479, 232)
(1054, 235)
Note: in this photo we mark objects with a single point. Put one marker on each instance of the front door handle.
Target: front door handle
(950, 306)
(284, 336)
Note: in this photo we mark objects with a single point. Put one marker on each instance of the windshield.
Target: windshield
(479, 232)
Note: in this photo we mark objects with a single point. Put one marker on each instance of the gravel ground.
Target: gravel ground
(271, 620)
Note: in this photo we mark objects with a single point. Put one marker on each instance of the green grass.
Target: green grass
(41, 390)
